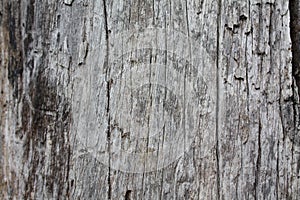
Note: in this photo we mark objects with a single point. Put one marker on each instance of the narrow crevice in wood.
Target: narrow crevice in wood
(128, 195)
(108, 85)
(108, 140)
(218, 99)
(258, 163)
(294, 6)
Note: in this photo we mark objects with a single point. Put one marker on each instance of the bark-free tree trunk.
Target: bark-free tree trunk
(144, 99)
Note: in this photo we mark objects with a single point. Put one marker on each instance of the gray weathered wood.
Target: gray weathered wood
(144, 99)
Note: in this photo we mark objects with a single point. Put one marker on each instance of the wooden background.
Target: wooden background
(140, 99)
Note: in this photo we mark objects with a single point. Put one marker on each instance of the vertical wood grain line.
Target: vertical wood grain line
(218, 60)
(108, 82)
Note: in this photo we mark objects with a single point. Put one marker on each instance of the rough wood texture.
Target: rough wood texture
(144, 99)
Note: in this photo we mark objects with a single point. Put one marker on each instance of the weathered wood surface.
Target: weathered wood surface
(124, 99)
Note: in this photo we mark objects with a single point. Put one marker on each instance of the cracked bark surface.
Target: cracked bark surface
(145, 99)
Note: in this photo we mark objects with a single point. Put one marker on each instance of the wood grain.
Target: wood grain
(145, 99)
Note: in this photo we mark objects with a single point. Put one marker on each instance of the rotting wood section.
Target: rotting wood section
(85, 84)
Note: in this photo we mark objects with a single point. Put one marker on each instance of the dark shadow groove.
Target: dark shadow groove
(294, 6)
(218, 99)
